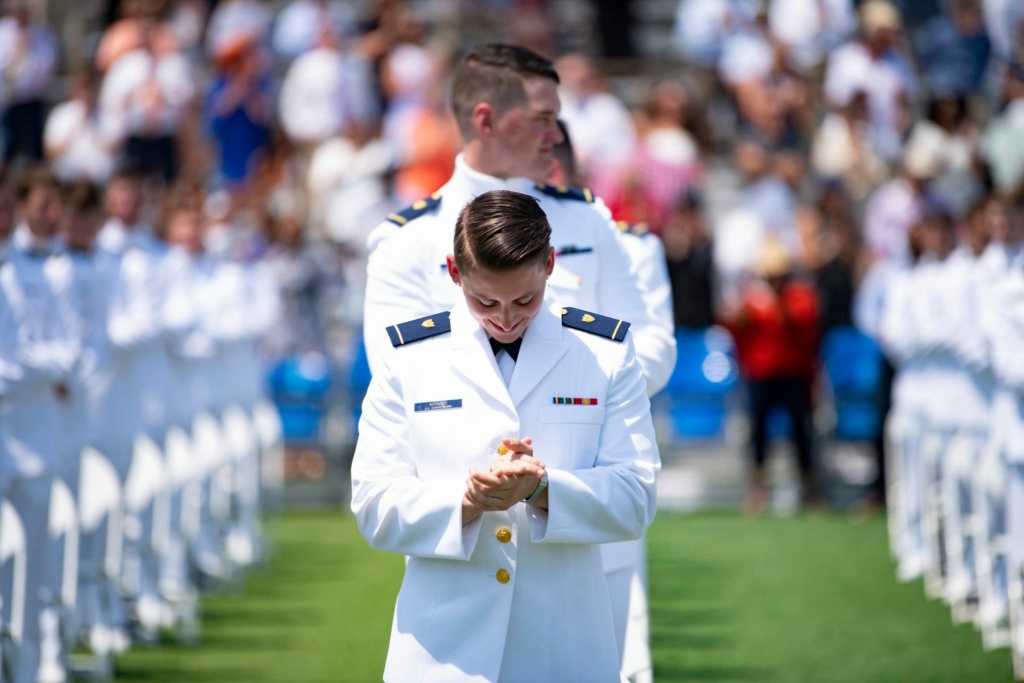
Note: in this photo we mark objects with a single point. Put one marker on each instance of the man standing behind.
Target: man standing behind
(505, 101)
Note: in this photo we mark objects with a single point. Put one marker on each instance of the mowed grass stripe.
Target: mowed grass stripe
(797, 600)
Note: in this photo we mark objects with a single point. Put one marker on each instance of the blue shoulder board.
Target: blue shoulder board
(638, 229)
(417, 209)
(421, 328)
(601, 325)
(580, 194)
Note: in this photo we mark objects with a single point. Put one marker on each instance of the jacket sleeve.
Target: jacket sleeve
(397, 510)
(396, 288)
(616, 499)
(623, 294)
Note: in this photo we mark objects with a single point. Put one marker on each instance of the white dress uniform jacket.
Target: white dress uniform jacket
(44, 356)
(81, 295)
(1005, 327)
(518, 595)
(407, 276)
(952, 340)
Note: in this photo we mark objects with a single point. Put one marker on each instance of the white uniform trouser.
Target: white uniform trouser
(934, 445)
(31, 500)
(908, 430)
(1015, 533)
(959, 463)
(989, 484)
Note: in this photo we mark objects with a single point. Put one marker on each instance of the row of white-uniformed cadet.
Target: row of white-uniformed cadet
(954, 327)
(134, 441)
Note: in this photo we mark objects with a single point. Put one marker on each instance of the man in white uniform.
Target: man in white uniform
(504, 581)
(46, 355)
(505, 100)
(626, 563)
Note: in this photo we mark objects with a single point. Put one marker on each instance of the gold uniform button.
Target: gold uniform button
(504, 535)
(502, 576)
(502, 449)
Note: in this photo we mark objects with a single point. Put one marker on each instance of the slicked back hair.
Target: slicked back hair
(494, 73)
(500, 231)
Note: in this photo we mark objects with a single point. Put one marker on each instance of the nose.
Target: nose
(505, 318)
(555, 133)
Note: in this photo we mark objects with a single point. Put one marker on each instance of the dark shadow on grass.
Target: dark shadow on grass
(718, 674)
(669, 638)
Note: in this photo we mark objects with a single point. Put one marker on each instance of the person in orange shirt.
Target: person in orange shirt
(775, 326)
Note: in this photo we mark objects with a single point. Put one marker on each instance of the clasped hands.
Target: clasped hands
(511, 478)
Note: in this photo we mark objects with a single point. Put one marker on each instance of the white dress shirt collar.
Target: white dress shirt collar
(473, 183)
(26, 242)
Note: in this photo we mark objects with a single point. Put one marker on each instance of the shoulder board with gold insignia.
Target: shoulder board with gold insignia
(421, 328)
(638, 229)
(417, 209)
(579, 194)
(601, 325)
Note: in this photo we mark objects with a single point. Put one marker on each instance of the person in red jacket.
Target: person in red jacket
(775, 326)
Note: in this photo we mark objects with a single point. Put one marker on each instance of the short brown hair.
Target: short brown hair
(32, 177)
(500, 231)
(81, 197)
(494, 73)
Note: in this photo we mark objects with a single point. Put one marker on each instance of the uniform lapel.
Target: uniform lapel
(473, 360)
(542, 348)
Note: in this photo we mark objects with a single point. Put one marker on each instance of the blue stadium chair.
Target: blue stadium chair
(853, 367)
(697, 394)
(359, 380)
(299, 386)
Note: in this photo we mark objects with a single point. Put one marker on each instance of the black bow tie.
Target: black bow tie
(512, 348)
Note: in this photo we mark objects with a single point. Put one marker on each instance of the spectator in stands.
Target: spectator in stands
(240, 110)
(772, 99)
(1002, 143)
(328, 91)
(840, 260)
(843, 149)
(702, 26)
(664, 164)
(132, 30)
(689, 255)
(776, 328)
(874, 64)
(599, 122)
(810, 29)
(298, 27)
(952, 50)
(28, 62)
(78, 147)
(958, 182)
(417, 121)
(145, 97)
(898, 204)
(232, 21)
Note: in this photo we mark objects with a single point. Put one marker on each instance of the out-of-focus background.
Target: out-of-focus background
(823, 140)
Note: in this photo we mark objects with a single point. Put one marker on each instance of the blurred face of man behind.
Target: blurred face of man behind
(41, 210)
(80, 228)
(504, 303)
(519, 140)
(124, 201)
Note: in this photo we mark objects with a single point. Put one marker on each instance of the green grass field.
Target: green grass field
(794, 600)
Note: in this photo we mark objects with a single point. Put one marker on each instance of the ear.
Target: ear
(483, 119)
(453, 270)
(550, 265)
